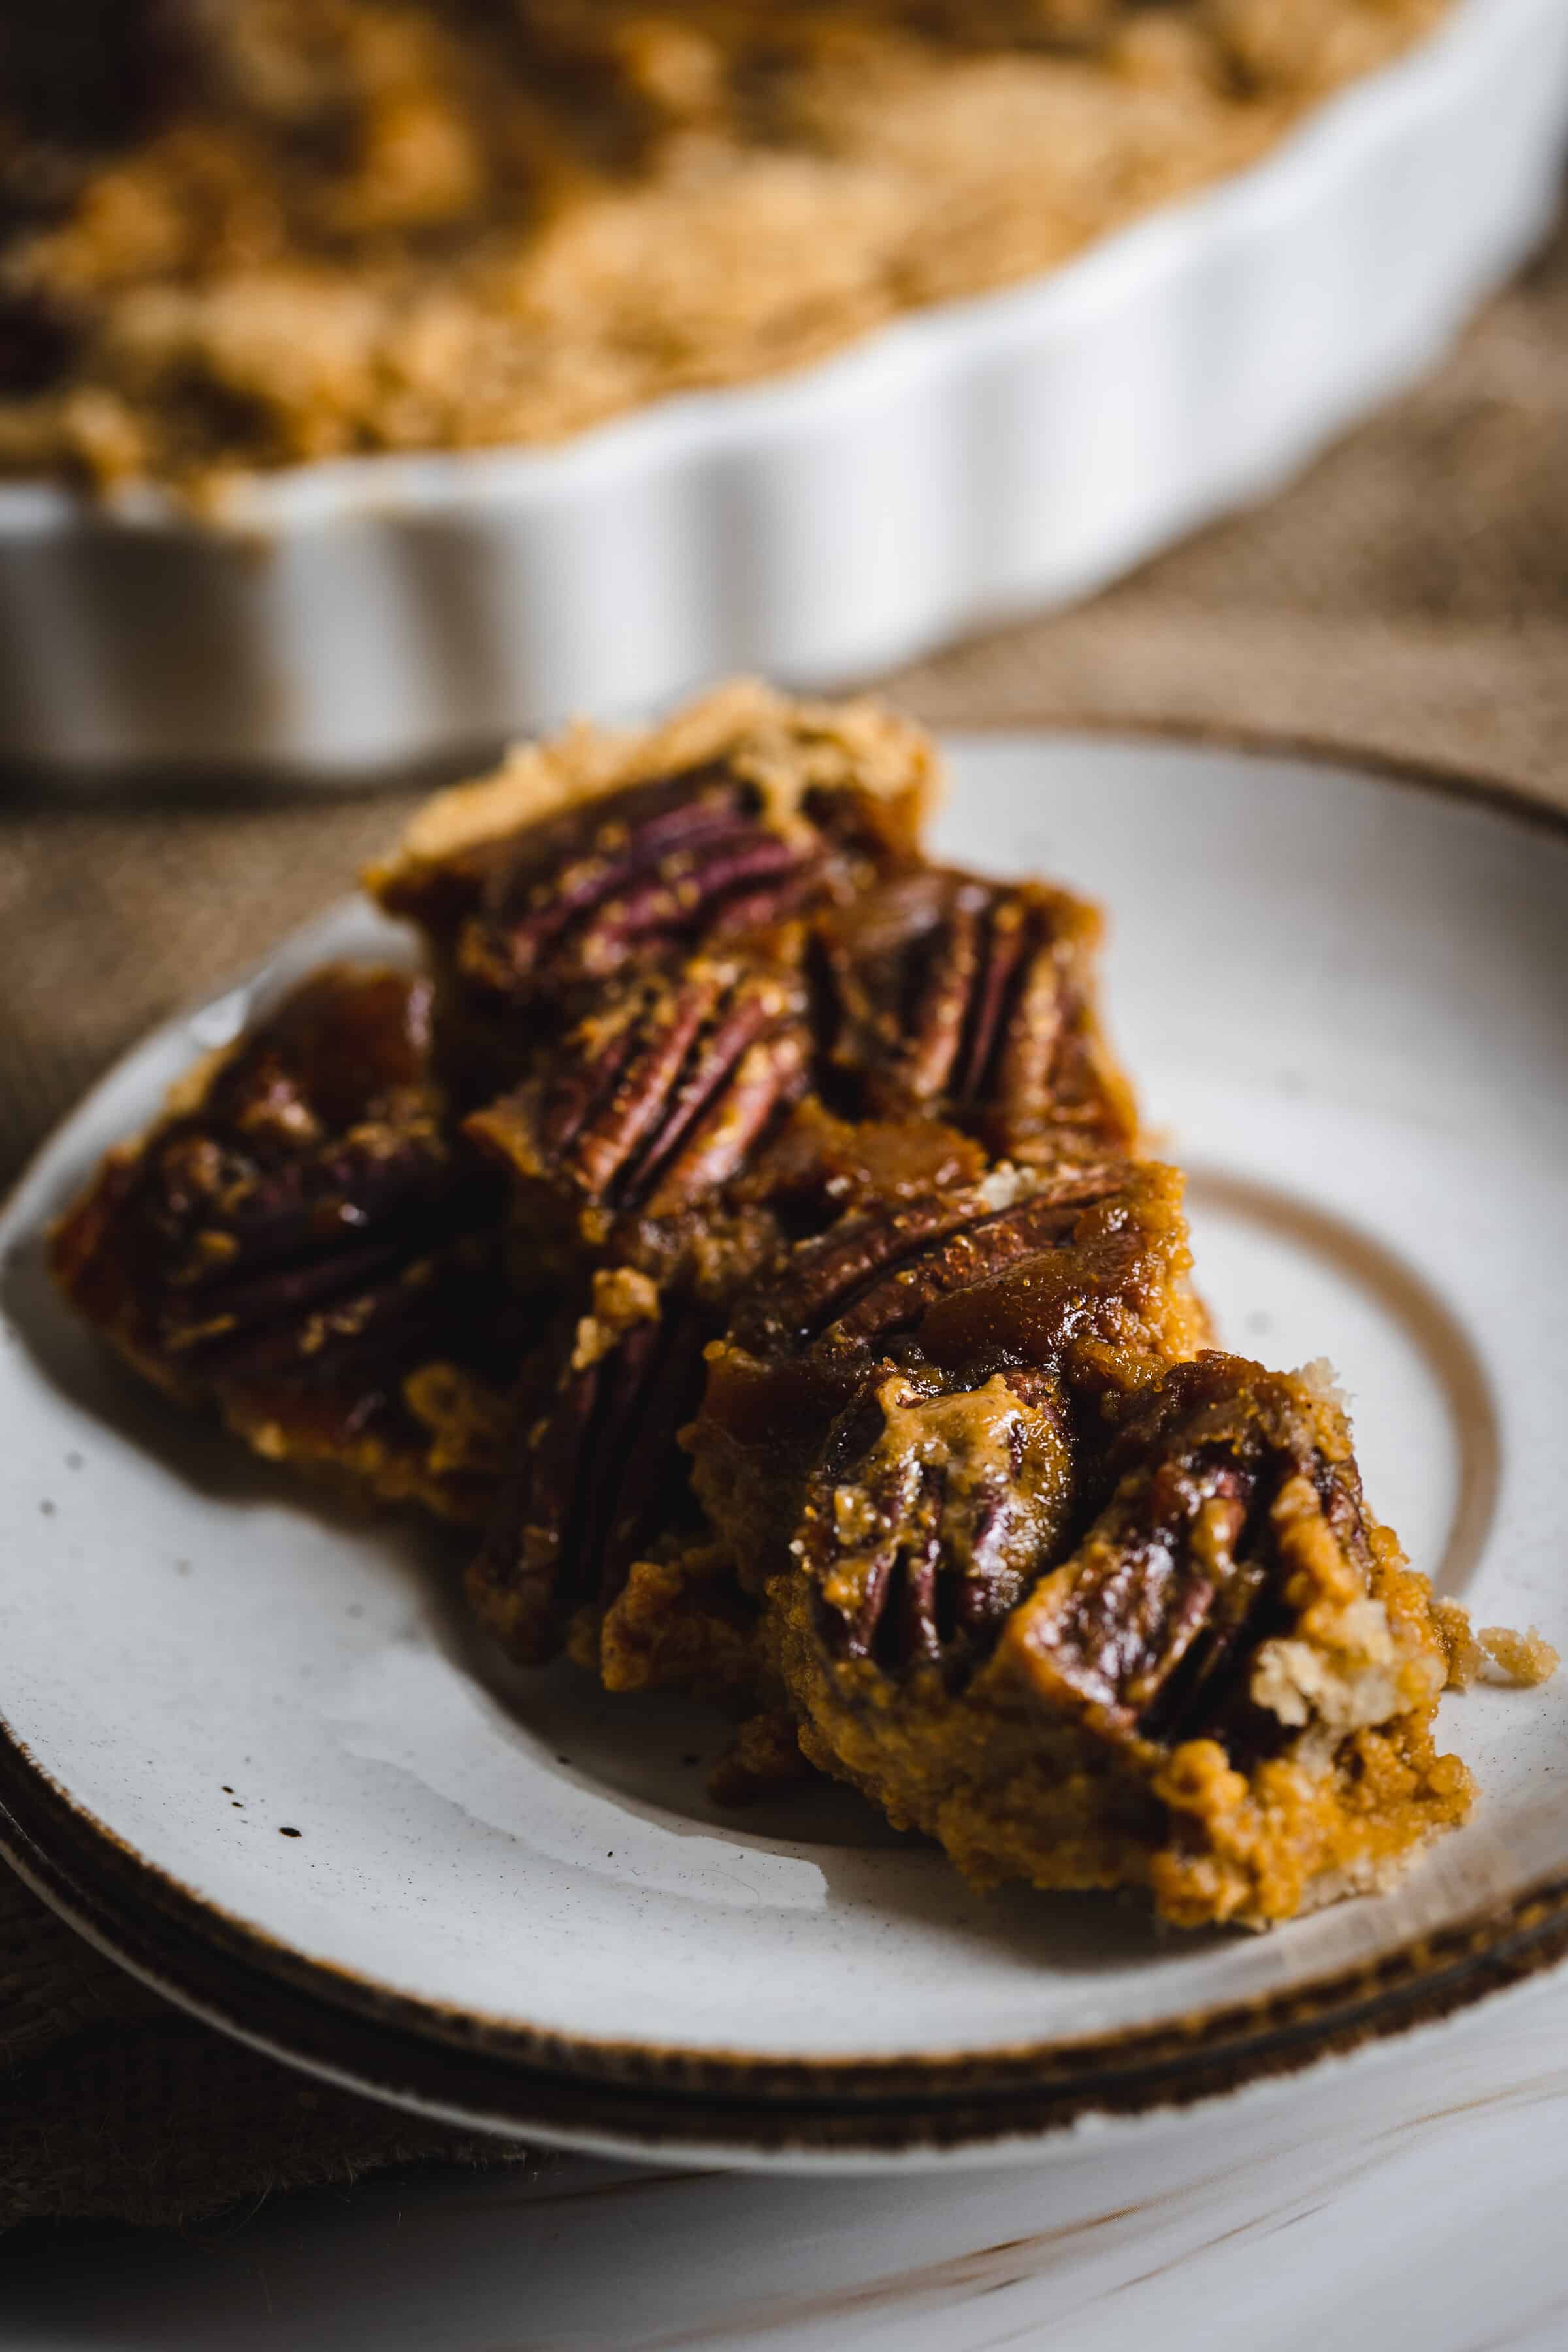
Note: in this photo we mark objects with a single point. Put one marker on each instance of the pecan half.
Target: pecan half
(1081, 1275)
(399, 1386)
(295, 1238)
(974, 1002)
(876, 1270)
(818, 1167)
(309, 1163)
(598, 1473)
(929, 1515)
(691, 858)
(1151, 1629)
(661, 1095)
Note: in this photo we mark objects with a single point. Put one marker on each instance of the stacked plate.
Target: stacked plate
(250, 1747)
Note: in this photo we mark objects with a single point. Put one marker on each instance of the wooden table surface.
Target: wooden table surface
(1417, 2195)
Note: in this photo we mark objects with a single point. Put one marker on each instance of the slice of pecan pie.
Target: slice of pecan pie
(1191, 1662)
(299, 1244)
(598, 855)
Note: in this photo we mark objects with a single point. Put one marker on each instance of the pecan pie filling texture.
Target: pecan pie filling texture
(743, 1224)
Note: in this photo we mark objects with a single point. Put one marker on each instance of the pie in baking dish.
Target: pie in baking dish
(240, 233)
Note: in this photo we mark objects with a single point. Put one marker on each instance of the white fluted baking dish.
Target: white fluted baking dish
(976, 459)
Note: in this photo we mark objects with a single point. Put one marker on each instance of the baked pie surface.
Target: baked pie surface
(273, 231)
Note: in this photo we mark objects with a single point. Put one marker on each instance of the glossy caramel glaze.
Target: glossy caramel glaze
(301, 1245)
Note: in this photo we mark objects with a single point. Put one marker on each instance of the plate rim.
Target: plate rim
(80, 1867)
(475, 2088)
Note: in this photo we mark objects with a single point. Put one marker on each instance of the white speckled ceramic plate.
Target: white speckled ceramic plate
(255, 1749)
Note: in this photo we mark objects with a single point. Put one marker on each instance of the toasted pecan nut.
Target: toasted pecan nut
(850, 773)
(818, 1166)
(1146, 1629)
(267, 1158)
(296, 1237)
(930, 1513)
(599, 855)
(1145, 1618)
(691, 858)
(876, 1269)
(1233, 1503)
(1081, 1274)
(307, 1161)
(398, 1387)
(659, 1095)
(974, 1002)
(598, 1473)
(807, 1172)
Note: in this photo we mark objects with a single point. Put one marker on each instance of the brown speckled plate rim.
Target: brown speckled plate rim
(820, 2123)
(519, 2079)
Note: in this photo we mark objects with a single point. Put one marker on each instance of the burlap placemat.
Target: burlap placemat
(1410, 595)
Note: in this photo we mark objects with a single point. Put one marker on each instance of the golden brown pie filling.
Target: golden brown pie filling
(250, 233)
(745, 1227)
